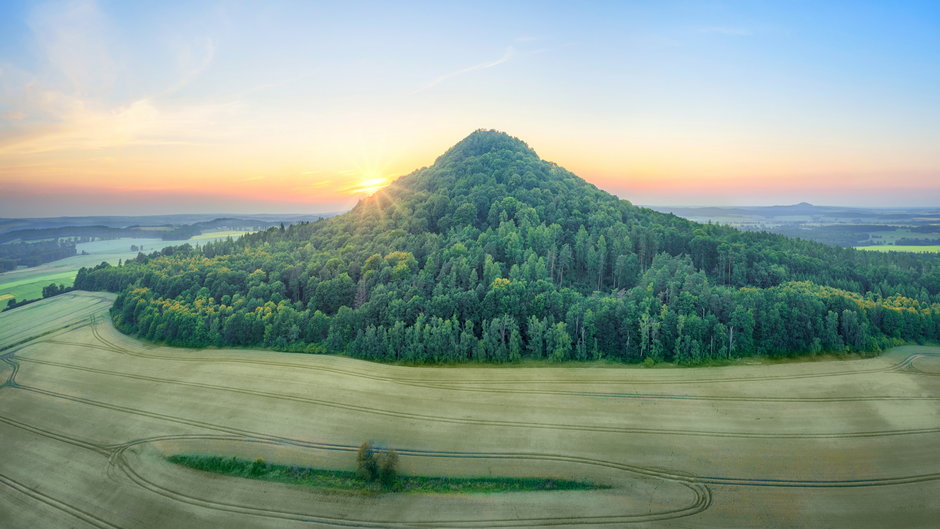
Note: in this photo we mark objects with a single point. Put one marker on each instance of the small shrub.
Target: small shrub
(367, 467)
(257, 467)
(388, 468)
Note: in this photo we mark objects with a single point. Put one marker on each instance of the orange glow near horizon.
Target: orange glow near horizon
(284, 177)
(103, 111)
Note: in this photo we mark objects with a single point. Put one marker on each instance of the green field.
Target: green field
(214, 236)
(27, 283)
(892, 248)
(31, 287)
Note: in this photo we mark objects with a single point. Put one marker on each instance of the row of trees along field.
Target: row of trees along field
(492, 254)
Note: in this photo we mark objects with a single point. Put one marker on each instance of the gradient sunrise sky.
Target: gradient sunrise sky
(168, 107)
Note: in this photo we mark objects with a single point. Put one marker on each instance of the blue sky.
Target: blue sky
(116, 107)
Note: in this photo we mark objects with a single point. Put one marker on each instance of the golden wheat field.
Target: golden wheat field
(88, 414)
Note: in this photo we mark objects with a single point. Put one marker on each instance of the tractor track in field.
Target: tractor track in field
(908, 364)
(845, 483)
(117, 459)
(74, 441)
(445, 419)
(14, 368)
(119, 464)
(65, 314)
(903, 365)
(416, 381)
(700, 492)
(35, 494)
(697, 485)
(451, 420)
(463, 388)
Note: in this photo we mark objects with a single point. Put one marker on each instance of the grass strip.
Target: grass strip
(347, 481)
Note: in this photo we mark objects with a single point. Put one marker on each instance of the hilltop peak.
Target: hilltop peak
(483, 141)
(484, 179)
(488, 160)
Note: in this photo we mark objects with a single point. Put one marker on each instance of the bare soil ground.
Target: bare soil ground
(87, 414)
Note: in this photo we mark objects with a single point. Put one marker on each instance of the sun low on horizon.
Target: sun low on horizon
(111, 108)
(370, 186)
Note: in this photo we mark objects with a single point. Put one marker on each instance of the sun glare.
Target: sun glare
(369, 186)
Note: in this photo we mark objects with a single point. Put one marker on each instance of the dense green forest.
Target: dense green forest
(492, 254)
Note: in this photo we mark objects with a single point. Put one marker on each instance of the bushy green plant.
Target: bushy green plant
(257, 467)
(377, 466)
(388, 468)
(367, 467)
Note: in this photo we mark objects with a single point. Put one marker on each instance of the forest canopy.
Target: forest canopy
(493, 254)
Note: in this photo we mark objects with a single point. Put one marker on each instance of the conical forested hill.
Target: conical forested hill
(493, 254)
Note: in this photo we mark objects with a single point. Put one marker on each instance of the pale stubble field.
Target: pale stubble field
(87, 414)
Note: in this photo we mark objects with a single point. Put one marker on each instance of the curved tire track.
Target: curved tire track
(458, 420)
(699, 485)
(421, 382)
(117, 459)
(59, 505)
(700, 492)
(901, 365)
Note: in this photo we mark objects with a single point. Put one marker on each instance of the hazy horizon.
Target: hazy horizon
(337, 211)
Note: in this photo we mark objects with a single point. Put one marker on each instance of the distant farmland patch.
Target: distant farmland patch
(216, 236)
(893, 248)
(30, 287)
(27, 283)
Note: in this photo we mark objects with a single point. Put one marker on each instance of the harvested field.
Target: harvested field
(896, 248)
(88, 414)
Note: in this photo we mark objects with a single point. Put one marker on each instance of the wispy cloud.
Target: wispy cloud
(65, 103)
(193, 61)
(74, 37)
(506, 57)
(80, 126)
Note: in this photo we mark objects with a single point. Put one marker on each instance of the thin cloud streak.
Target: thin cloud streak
(507, 56)
(193, 72)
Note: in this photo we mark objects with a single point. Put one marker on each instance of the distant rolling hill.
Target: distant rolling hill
(834, 225)
(10, 228)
